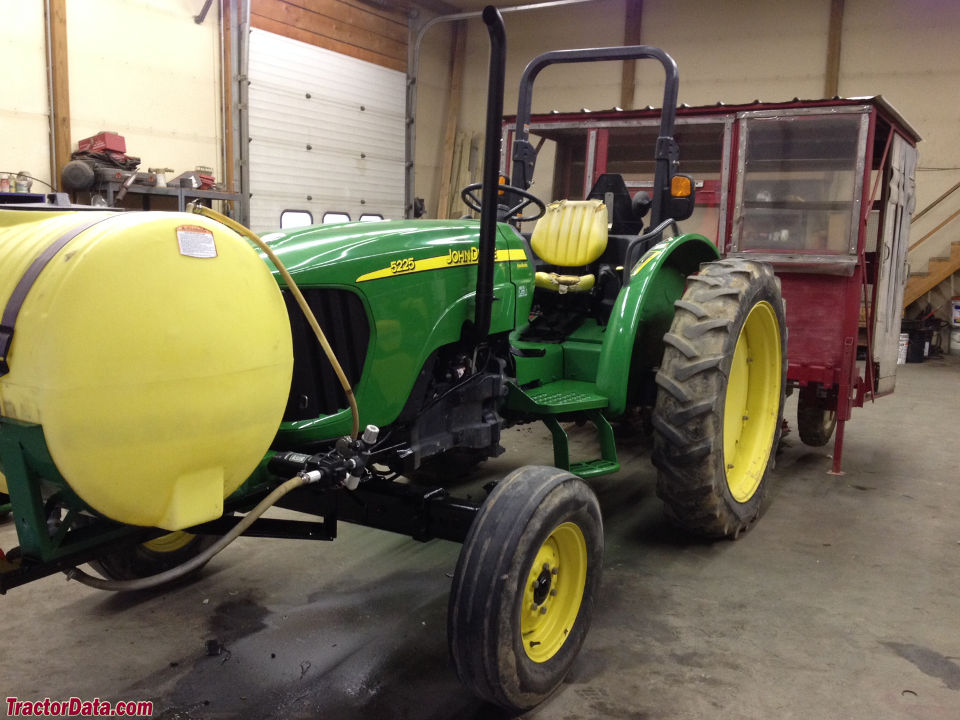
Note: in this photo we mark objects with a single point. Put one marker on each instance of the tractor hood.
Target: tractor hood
(361, 252)
(415, 282)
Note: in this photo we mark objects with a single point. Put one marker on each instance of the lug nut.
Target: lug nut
(543, 611)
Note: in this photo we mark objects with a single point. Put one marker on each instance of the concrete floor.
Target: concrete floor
(841, 603)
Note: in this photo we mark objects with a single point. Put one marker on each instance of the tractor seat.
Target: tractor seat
(571, 234)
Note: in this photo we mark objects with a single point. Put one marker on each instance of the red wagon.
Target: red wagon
(822, 189)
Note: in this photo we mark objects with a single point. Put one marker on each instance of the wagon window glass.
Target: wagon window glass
(800, 182)
(335, 217)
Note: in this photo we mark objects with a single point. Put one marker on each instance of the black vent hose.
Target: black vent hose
(491, 171)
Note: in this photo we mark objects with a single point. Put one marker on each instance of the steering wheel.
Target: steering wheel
(505, 213)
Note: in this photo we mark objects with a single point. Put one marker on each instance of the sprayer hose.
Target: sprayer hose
(179, 571)
(298, 296)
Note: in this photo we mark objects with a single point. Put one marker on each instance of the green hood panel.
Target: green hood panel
(417, 281)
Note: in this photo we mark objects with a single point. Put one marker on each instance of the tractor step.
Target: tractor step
(561, 396)
(593, 468)
(585, 468)
(565, 397)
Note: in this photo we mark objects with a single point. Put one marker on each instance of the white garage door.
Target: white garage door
(326, 133)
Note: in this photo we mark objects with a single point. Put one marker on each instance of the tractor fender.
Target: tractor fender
(633, 342)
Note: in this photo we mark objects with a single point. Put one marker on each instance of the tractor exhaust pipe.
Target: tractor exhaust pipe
(491, 171)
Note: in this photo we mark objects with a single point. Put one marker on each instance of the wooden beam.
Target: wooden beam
(632, 25)
(831, 84)
(62, 145)
(363, 31)
(458, 51)
(390, 23)
(354, 51)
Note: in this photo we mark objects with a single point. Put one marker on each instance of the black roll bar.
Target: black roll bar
(491, 171)
(667, 154)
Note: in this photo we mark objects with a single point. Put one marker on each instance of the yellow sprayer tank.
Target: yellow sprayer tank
(154, 349)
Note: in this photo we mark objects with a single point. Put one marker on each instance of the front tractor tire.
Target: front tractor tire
(153, 557)
(524, 587)
(720, 396)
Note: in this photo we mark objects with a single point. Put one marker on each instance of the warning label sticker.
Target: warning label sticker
(196, 241)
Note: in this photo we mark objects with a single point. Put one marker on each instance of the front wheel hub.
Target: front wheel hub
(553, 592)
(541, 587)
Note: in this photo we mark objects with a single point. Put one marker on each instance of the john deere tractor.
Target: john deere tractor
(167, 377)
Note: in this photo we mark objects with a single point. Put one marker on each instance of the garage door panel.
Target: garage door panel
(352, 122)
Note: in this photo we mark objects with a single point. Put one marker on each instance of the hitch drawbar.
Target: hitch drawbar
(422, 513)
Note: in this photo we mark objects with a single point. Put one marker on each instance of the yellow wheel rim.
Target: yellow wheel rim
(553, 592)
(171, 542)
(752, 402)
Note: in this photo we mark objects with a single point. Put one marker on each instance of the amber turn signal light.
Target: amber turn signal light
(680, 186)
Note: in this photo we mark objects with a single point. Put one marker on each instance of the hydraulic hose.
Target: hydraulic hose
(298, 296)
(179, 571)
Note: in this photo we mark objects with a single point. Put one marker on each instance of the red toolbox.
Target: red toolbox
(103, 142)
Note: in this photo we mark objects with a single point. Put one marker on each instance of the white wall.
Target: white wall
(145, 69)
(909, 53)
(741, 50)
(433, 90)
(24, 113)
(142, 68)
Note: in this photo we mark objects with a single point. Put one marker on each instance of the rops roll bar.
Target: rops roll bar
(667, 153)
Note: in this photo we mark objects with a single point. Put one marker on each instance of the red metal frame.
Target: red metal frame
(823, 310)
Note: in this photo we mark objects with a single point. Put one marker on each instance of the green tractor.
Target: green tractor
(444, 333)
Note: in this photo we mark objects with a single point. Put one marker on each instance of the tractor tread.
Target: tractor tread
(673, 387)
(685, 372)
(692, 332)
(718, 293)
(693, 410)
(689, 413)
(693, 308)
(706, 280)
(682, 345)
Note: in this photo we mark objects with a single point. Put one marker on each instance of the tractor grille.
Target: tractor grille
(315, 390)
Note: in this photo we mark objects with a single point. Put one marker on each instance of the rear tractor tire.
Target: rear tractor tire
(153, 557)
(524, 588)
(815, 422)
(720, 395)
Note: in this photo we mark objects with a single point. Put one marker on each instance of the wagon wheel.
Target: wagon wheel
(815, 421)
(524, 587)
(153, 557)
(720, 397)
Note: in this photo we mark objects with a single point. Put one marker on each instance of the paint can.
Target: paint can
(902, 348)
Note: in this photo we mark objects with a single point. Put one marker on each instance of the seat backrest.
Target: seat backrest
(612, 190)
(571, 233)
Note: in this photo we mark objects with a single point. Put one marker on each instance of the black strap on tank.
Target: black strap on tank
(19, 294)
